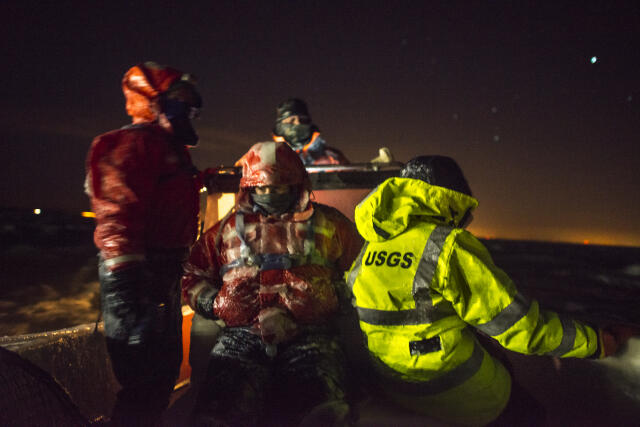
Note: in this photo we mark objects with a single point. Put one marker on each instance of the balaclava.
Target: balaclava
(274, 203)
(274, 164)
(180, 104)
(295, 135)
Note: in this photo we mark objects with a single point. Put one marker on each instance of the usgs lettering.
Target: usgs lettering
(393, 259)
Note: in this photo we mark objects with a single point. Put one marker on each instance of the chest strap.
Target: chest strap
(274, 261)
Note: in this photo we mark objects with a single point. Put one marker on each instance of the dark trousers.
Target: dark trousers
(143, 327)
(245, 387)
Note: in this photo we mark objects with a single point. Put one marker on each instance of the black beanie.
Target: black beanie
(437, 170)
(292, 107)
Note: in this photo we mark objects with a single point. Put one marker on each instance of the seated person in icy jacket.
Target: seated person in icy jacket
(420, 282)
(270, 270)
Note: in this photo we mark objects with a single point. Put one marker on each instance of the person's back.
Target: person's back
(164, 219)
(421, 280)
(144, 191)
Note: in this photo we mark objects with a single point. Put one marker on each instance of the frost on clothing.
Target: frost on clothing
(144, 191)
(141, 181)
(421, 281)
(271, 272)
(249, 295)
(466, 288)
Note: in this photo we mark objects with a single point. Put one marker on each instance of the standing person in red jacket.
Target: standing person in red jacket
(144, 192)
(294, 126)
(271, 270)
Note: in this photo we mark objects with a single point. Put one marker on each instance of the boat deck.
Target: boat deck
(574, 392)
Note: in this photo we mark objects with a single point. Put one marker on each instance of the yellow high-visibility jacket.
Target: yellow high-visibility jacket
(420, 281)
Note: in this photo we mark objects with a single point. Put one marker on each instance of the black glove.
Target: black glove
(204, 303)
(129, 315)
(613, 337)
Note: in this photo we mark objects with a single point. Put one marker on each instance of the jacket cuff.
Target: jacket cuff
(121, 261)
(599, 353)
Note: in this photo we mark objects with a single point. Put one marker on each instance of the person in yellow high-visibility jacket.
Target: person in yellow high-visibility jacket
(421, 280)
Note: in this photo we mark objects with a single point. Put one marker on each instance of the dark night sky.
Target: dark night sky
(546, 138)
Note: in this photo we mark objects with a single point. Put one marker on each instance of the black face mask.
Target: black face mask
(295, 135)
(179, 115)
(183, 130)
(273, 203)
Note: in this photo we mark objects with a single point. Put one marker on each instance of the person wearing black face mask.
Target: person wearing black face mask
(294, 126)
(179, 106)
(271, 272)
(273, 199)
(144, 190)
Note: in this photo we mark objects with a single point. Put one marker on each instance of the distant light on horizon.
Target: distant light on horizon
(88, 214)
(37, 211)
(594, 59)
(555, 235)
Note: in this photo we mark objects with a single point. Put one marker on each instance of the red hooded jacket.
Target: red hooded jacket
(142, 183)
(272, 272)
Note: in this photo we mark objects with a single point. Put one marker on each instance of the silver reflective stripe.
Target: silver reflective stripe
(238, 262)
(453, 378)
(240, 232)
(351, 278)
(509, 316)
(245, 255)
(427, 269)
(568, 337)
(246, 258)
(122, 259)
(398, 317)
(274, 261)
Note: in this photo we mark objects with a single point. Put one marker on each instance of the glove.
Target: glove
(611, 338)
(151, 321)
(126, 318)
(204, 303)
(345, 297)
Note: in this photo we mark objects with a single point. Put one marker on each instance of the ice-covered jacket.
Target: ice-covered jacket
(144, 193)
(420, 282)
(141, 181)
(274, 272)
